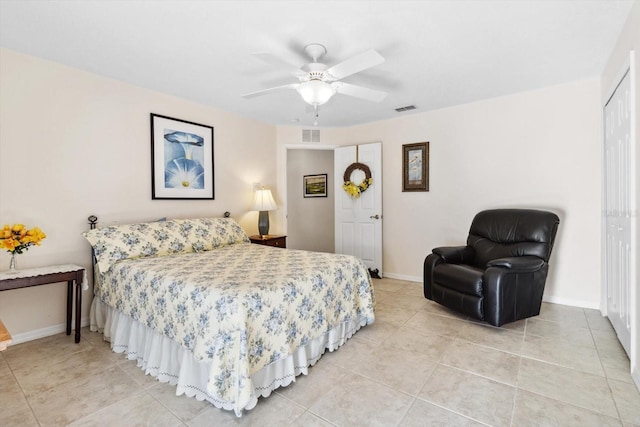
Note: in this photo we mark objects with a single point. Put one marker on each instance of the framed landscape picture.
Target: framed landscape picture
(315, 185)
(181, 159)
(415, 167)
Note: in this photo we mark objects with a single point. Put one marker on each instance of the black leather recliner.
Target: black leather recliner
(499, 276)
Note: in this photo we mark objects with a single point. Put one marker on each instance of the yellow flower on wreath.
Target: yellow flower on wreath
(17, 238)
(354, 190)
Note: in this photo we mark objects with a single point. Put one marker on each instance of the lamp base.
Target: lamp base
(263, 223)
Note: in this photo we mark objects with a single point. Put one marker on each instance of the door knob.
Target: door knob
(375, 216)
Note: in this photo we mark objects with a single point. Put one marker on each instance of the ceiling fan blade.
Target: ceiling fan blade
(359, 91)
(271, 90)
(281, 59)
(355, 64)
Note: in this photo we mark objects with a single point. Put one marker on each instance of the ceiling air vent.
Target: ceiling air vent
(310, 135)
(407, 108)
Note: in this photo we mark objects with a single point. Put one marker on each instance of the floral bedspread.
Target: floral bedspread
(242, 306)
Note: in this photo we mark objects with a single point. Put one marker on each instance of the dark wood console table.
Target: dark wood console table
(69, 273)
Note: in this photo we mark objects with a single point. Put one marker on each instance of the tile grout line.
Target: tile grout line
(615, 402)
(406, 412)
(574, 369)
(581, 372)
(26, 399)
(451, 410)
(515, 395)
(315, 415)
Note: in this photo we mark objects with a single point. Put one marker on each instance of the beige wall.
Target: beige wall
(74, 144)
(538, 149)
(629, 40)
(310, 221)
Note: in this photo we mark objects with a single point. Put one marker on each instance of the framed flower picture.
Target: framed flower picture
(181, 159)
(415, 167)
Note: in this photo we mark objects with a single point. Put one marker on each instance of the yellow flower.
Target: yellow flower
(5, 232)
(18, 238)
(354, 190)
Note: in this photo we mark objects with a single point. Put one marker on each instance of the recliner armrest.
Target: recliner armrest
(521, 263)
(455, 254)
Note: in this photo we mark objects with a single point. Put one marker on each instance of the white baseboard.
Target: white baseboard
(402, 277)
(572, 302)
(45, 332)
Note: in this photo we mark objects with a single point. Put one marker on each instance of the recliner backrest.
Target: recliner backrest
(501, 233)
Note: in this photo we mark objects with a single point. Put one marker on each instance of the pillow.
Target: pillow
(114, 243)
(205, 234)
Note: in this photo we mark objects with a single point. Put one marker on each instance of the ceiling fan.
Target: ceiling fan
(318, 83)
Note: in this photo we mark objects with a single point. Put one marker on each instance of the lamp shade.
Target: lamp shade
(263, 201)
(316, 92)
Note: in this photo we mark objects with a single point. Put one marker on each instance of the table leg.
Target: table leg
(69, 304)
(78, 310)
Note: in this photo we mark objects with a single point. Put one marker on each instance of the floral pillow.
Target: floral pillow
(205, 234)
(114, 243)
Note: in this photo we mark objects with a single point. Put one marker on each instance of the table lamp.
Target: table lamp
(263, 202)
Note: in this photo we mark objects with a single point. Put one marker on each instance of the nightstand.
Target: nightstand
(270, 240)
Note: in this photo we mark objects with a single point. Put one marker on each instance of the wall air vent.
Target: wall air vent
(310, 135)
(407, 108)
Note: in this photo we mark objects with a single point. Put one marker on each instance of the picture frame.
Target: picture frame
(315, 185)
(415, 167)
(182, 161)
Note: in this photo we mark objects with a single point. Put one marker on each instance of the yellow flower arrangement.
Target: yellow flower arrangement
(17, 238)
(354, 190)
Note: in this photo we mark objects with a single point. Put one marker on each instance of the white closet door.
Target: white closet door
(620, 209)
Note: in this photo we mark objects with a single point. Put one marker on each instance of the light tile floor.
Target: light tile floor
(419, 364)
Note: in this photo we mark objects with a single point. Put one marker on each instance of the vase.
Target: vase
(13, 263)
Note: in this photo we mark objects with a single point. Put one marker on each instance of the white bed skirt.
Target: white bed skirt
(169, 362)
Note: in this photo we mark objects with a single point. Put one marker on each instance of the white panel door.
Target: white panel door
(619, 209)
(358, 227)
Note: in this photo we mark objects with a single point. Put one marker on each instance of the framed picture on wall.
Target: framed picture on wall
(315, 185)
(415, 167)
(181, 159)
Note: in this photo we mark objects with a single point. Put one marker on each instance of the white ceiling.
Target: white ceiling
(438, 53)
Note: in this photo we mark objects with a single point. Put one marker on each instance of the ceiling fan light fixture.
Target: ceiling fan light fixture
(316, 92)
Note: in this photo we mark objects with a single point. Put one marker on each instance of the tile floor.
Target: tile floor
(418, 365)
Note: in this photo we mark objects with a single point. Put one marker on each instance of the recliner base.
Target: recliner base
(471, 305)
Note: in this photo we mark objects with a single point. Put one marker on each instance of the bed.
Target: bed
(227, 321)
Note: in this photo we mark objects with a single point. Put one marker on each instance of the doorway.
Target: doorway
(310, 219)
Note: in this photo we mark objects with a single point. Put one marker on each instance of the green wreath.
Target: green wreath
(355, 190)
